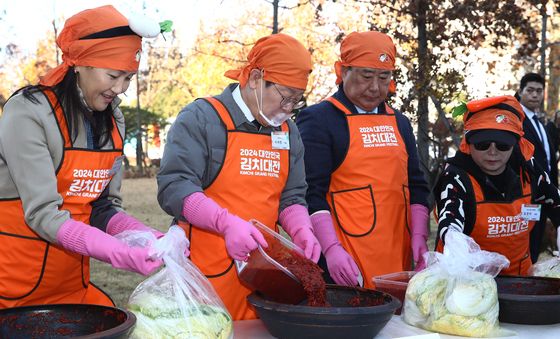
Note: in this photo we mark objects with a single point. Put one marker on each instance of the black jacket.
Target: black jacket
(540, 154)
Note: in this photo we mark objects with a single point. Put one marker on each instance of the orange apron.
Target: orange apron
(249, 185)
(369, 197)
(34, 271)
(499, 228)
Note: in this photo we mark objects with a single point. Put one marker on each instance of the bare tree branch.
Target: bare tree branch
(441, 114)
(196, 50)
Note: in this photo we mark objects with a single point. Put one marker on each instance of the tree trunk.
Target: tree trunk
(553, 85)
(422, 87)
(275, 16)
(139, 153)
(544, 19)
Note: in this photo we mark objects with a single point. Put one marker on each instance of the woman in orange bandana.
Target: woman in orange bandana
(238, 156)
(367, 194)
(61, 150)
(492, 190)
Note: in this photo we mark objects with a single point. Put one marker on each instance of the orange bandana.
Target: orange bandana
(366, 49)
(501, 113)
(119, 53)
(285, 61)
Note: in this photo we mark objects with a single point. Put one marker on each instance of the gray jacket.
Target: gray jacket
(31, 149)
(195, 151)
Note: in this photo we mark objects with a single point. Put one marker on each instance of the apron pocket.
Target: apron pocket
(21, 265)
(355, 211)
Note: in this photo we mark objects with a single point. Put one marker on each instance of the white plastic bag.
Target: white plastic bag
(548, 268)
(178, 301)
(457, 293)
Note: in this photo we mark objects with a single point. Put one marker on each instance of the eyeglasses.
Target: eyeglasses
(483, 146)
(287, 102)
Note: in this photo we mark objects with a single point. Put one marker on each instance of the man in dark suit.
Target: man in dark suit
(530, 95)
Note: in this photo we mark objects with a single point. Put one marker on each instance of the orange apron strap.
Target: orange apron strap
(339, 105)
(117, 137)
(60, 118)
(222, 112)
(389, 110)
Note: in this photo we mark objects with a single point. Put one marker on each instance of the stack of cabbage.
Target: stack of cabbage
(178, 301)
(549, 268)
(457, 293)
(161, 317)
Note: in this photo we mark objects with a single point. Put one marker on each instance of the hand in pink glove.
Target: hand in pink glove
(241, 237)
(295, 221)
(342, 267)
(419, 216)
(86, 240)
(121, 222)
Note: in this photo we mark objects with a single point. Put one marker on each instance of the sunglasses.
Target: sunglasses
(483, 146)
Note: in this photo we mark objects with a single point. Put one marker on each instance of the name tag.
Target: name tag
(531, 212)
(280, 140)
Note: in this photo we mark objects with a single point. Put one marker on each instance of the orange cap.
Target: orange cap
(283, 59)
(366, 49)
(120, 52)
(500, 113)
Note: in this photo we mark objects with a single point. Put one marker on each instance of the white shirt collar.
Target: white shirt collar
(242, 105)
(528, 112)
(361, 111)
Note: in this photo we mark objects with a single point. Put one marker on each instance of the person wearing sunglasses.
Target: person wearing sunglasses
(492, 189)
(367, 194)
(238, 156)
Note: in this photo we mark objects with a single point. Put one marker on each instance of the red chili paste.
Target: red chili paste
(305, 270)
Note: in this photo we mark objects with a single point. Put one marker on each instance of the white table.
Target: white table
(396, 328)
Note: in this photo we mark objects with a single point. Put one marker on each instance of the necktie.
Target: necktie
(541, 136)
(538, 126)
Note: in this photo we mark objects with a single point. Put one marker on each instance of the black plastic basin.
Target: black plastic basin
(529, 300)
(66, 321)
(342, 320)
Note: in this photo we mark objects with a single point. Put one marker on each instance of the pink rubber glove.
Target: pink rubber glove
(241, 237)
(419, 215)
(295, 221)
(86, 240)
(342, 267)
(121, 222)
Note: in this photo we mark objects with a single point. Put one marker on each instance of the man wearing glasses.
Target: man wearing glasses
(367, 195)
(238, 156)
(491, 189)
